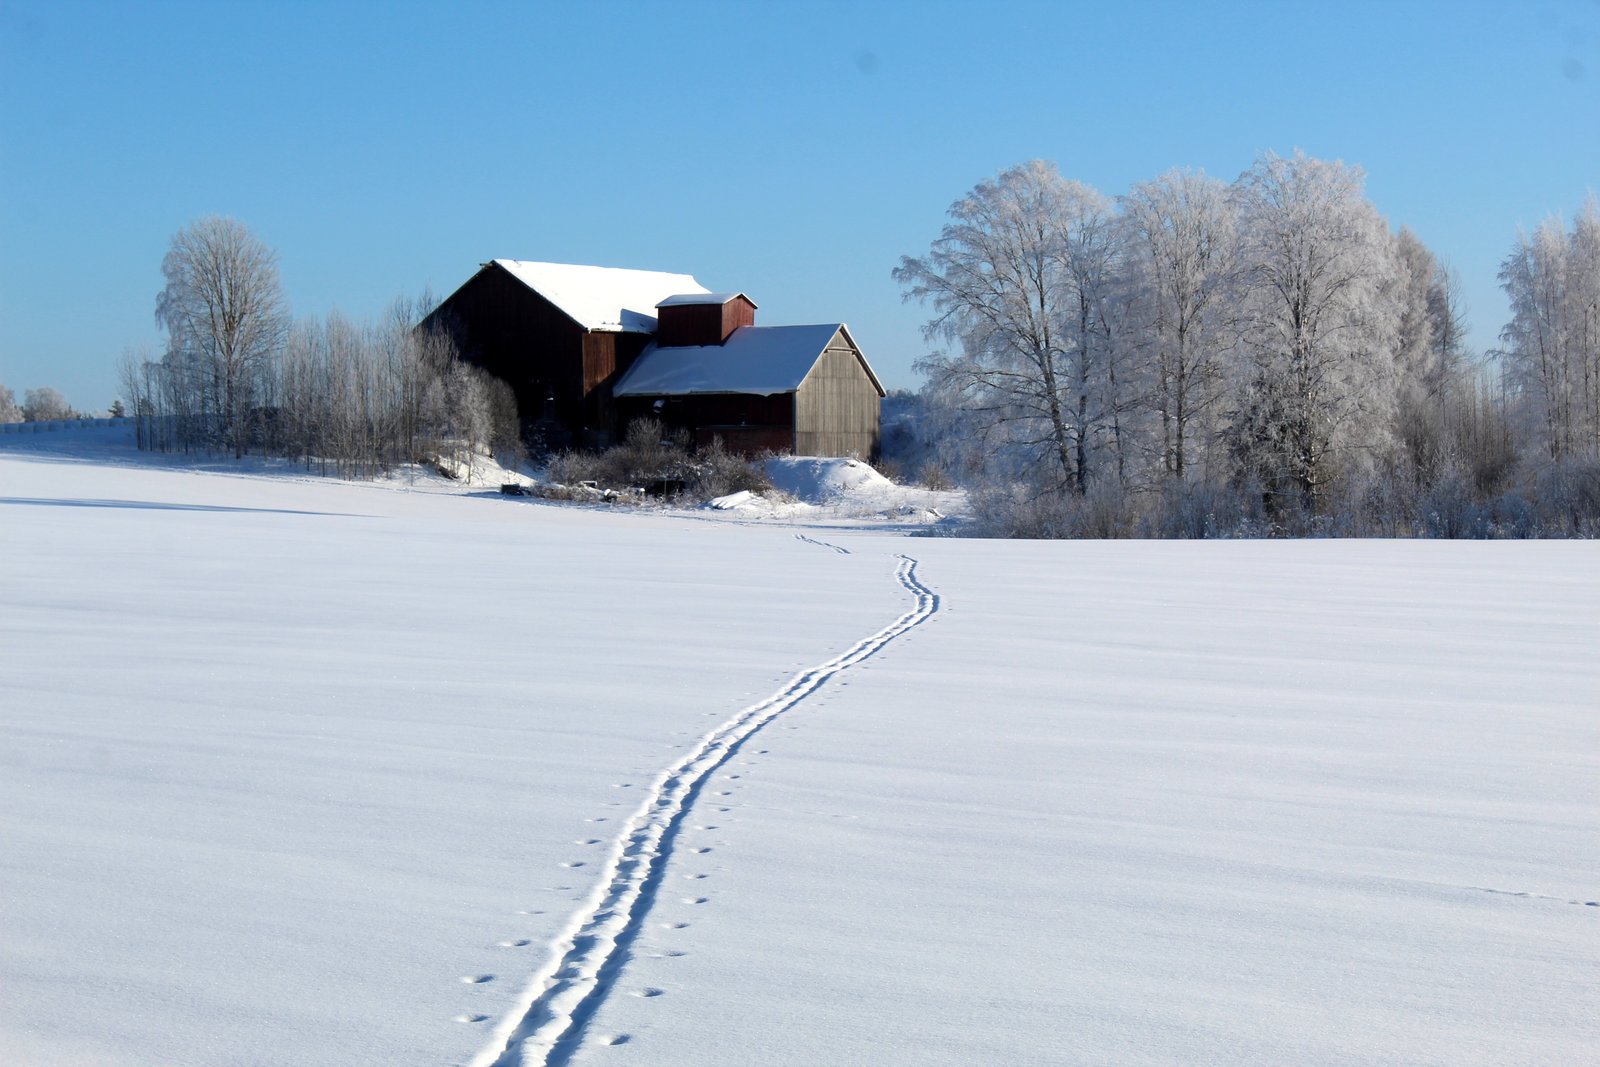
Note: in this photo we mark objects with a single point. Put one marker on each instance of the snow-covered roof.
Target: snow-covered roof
(763, 360)
(610, 299)
(702, 298)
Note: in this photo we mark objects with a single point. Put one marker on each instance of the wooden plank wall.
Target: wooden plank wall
(837, 407)
(518, 336)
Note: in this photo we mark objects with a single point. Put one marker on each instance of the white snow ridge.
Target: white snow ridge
(549, 1025)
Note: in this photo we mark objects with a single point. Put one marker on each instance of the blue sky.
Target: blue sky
(791, 150)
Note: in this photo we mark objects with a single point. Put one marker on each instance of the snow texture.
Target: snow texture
(762, 360)
(610, 299)
(680, 299)
(297, 771)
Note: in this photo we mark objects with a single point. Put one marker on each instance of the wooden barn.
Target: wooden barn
(801, 389)
(560, 335)
(589, 349)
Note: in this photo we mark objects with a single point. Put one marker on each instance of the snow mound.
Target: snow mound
(732, 500)
(818, 480)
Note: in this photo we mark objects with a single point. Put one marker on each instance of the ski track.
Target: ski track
(547, 1028)
(822, 544)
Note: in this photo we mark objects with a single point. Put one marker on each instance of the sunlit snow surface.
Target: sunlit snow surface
(300, 772)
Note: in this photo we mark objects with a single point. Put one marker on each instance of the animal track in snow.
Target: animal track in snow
(477, 979)
(548, 1026)
(1535, 896)
(648, 991)
(519, 942)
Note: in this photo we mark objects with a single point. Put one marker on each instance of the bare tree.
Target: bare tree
(1553, 338)
(1187, 257)
(1013, 283)
(224, 314)
(1319, 334)
(45, 405)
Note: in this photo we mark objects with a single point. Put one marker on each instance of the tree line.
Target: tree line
(1201, 358)
(239, 375)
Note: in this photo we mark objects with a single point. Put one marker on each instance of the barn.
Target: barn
(559, 334)
(713, 372)
(587, 350)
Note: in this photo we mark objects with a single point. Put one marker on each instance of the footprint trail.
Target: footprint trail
(546, 1027)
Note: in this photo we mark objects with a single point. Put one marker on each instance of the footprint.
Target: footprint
(735, 777)
(686, 900)
(518, 943)
(573, 863)
(471, 1017)
(477, 979)
(598, 818)
(587, 841)
(616, 1039)
(701, 851)
(694, 877)
(726, 793)
(676, 926)
(724, 809)
(648, 991)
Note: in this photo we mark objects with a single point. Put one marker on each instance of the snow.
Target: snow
(680, 299)
(299, 771)
(819, 479)
(762, 360)
(603, 298)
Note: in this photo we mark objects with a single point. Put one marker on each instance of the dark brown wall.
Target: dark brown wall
(702, 324)
(746, 423)
(517, 335)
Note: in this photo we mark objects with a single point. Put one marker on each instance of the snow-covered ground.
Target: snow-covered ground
(301, 772)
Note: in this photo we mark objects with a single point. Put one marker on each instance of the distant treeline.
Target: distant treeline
(44, 405)
(1197, 359)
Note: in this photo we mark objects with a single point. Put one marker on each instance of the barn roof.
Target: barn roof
(762, 360)
(677, 299)
(610, 299)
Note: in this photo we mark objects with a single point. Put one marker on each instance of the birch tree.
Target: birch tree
(1553, 338)
(1185, 251)
(224, 314)
(1011, 281)
(1318, 331)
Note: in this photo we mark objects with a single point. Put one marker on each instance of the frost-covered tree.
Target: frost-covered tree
(1317, 396)
(45, 405)
(1553, 339)
(9, 412)
(1016, 282)
(1184, 250)
(225, 318)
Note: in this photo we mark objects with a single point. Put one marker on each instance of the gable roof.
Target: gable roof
(678, 299)
(763, 360)
(609, 299)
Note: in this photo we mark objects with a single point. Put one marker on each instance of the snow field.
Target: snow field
(298, 769)
(1193, 803)
(300, 772)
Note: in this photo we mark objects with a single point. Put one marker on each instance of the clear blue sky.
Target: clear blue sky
(791, 150)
